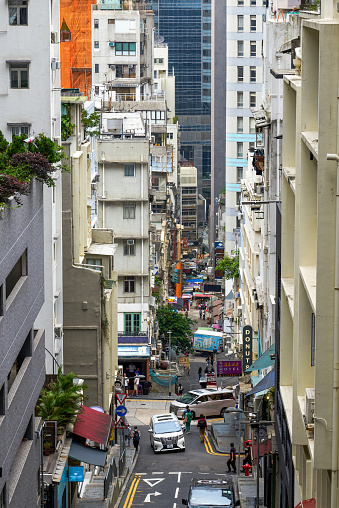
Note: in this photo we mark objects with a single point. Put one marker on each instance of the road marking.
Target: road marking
(157, 472)
(179, 474)
(174, 505)
(176, 493)
(209, 448)
(131, 492)
(140, 474)
(148, 497)
(152, 482)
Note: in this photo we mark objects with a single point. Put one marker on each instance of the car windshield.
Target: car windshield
(200, 498)
(166, 427)
(187, 398)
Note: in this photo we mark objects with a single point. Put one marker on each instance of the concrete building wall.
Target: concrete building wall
(22, 363)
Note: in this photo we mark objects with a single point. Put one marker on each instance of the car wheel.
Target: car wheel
(223, 411)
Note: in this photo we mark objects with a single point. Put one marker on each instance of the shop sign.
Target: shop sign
(184, 361)
(247, 346)
(230, 368)
(76, 474)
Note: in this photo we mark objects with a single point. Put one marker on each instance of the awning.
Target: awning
(134, 352)
(265, 384)
(87, 454)
(264, 361)
(202, 295)
(102, 249)
(308, 503)
(93, 425)
(217, 311)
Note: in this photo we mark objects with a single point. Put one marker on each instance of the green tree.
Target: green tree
(91, 123)
(180, 326)
(229, 265)
(61, 402)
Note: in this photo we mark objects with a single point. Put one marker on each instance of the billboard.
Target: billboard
(229, 368)
(247, 346)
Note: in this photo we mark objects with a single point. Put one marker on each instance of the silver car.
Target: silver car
(166, 433)
(209, 402)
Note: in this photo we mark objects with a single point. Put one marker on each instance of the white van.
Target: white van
(166, 433)
(209, 402)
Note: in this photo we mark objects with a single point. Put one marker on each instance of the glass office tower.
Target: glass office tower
(186, 27)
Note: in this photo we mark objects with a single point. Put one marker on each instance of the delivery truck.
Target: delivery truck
(206, 340)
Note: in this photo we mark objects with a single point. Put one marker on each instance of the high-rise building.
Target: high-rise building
(186, 28)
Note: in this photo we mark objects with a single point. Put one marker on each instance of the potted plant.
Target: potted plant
(47, 447)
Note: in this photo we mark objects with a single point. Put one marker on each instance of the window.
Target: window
(158, 60)
(170, 135)
(240, 150)
(240, 173)
(125, 26)
(240, 124)
(240, 71)
(253, 47)
(17, 12)
(129, 284)
(96, 23)
(238, 198)
(253, 74)
(253, 20)
(240, 48)
(132, 323)
(251, 146)
(96, 44)
(253, 2)
(19, 75)
(17, 130)
(18, 271)
(206, 65)
(111, 21)
(96, 89)
(96, 70)
(240, 2)
(240, 99)
(155, 74)
(95, 262)
(159, 183)
(129, 170)
(240, 23)
(125, 71)
(125, 48)
(25, 352)
(129, 248)
(253, 99)
(129, 211)
(252, 126)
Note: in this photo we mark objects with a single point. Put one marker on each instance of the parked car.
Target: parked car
(210, 494)
(166, 433)
(209, 402)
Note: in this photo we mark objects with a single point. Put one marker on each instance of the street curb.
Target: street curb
(122, 492)
(211, 437)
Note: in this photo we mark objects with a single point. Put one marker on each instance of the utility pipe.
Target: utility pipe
(142, 239)
(335, 442)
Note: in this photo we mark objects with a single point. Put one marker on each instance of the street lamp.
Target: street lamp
(169, 363)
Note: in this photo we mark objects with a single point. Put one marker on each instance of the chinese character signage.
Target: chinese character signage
(247, 346)
(184, 361)
(229, 368)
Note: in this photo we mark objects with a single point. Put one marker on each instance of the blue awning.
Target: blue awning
(87, 454)
(264, 361)
(264, 385)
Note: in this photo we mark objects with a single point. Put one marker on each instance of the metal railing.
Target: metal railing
(122, 462)
(111, 473)
(131, 97)
(132, 334)
(131, 5)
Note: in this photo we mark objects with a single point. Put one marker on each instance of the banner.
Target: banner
(247, 346)
(230, 368)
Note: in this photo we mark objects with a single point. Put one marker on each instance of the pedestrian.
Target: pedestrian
(232, 459)
(200, 313)
(131, 369)
(212, 360)
(128, 434)
(208, 361)
(136, 386)
(180, 389)
(200, 373)
(247, 457)
(204, 316)
(137, 372)
(136, 438)
(126, 383)
(202, 426)
(206, 370)
(188, 419)
(212, 370)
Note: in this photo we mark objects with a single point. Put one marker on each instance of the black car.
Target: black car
(210, 494)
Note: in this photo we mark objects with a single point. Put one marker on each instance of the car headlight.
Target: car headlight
(157, 439)
(180, 436)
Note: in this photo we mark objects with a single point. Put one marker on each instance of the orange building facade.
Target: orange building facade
(76, 44)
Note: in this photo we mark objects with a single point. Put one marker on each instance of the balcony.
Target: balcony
(122, 5)
(132, 337)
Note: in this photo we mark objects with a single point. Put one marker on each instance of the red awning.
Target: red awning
(93, 425)
(202, 295)
(308, 503)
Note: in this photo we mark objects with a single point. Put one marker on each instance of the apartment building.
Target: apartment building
(307, 350)
(30, 104)
(22, 363)
(189, 202)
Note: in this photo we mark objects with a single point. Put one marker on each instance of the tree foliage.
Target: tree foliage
(91, 123)
(61, 402)
(229, 265)
(180, 326)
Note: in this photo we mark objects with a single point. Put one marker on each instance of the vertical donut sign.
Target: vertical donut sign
(247, 336)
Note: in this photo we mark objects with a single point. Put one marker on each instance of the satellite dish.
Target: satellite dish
(158, 39)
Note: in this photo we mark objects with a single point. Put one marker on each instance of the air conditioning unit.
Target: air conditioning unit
(239, 311)
(111, 44)
(258, 179)
(153, 140)
(89, 156)
(58, 331)
(54, 37)
(130, 242)
(309, 405)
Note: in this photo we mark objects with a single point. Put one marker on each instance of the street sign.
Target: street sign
(121, 397)
(121, 410)
(120, 424)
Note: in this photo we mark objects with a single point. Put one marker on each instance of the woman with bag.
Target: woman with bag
(188, 419)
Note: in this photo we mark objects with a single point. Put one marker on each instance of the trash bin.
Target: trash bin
(203, 382)
(146, 387)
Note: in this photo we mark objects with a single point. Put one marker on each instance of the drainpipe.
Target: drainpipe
(335, 442)
(142, 239)
(103, 189)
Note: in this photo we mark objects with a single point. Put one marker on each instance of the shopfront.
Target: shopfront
(137, 355)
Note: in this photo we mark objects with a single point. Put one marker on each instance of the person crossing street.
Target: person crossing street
(202, 426)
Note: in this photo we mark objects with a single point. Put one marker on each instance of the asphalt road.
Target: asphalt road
(163, 479)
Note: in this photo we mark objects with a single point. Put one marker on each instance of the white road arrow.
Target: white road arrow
(152, 482)
(148, 497)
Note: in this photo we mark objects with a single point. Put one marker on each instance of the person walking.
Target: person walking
(231, 461)
(208, 361)
(200, 313)
(188, 419)
(200, 373)
(136, 438)
(247, 458)
(128, 434)
(136, 386)
(180, 389)
(202, 426)
(126, 383)
(212, 360)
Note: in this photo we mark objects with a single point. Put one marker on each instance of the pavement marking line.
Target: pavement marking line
(157, 472)
(152, 482)
(140, 474)
(179, 474)
(131, 493)
(148, 497)
(176, 493)
(174, 505)
(209, 448)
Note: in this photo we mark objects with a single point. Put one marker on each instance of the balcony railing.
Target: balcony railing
(132, 334)
(123, 5)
